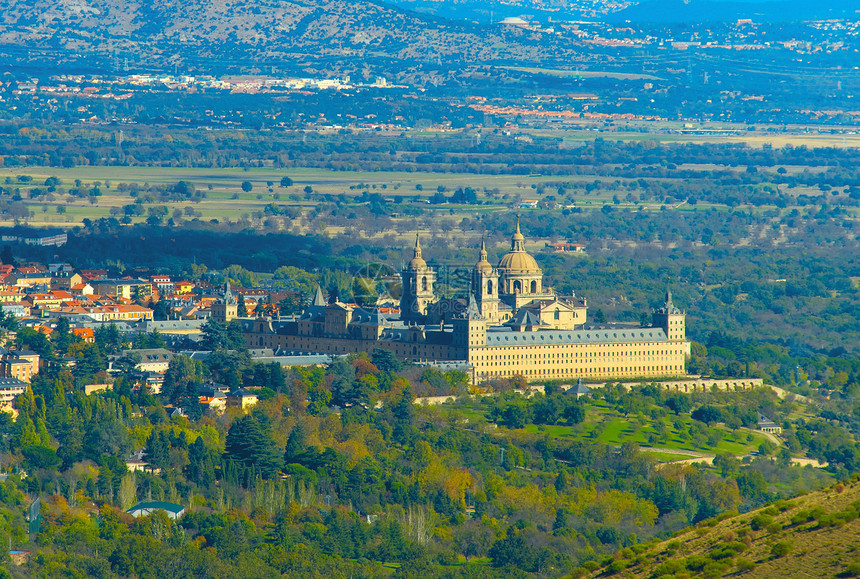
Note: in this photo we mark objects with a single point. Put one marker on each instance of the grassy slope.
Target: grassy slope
(815, 550)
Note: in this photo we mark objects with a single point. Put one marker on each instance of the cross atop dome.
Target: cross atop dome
(417, 261)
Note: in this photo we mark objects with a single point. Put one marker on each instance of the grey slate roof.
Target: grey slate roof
(524, 318)
(298, 359)
(319, 298)
(507, 337)
(10, 382)
(765, 421)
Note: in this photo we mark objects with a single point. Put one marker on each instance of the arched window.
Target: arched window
(490, 288)
(424, 283)
(557, 314)
(518, 286)
(534, 287)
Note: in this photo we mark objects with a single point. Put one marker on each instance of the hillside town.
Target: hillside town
(152, 318)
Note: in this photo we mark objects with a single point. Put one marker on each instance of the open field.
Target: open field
(220, 194)
(583, 73)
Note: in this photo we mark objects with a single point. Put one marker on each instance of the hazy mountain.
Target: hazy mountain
(265, 31)
(728, 10)
(496, 10)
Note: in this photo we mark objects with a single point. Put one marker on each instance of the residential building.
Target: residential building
(241, 398)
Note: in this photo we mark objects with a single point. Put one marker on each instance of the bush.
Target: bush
(744, 565)
(617, 566)
(668, 568)
(800, 517)
(760, 521)
(696, 563)
(852, 570)
(781, 549)
(774, 528)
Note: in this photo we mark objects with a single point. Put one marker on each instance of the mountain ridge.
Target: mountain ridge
(268, 30)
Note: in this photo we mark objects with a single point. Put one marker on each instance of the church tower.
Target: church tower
(227, 308)
(418, 280)
(485, 286)
(670, 319)
(470, 327)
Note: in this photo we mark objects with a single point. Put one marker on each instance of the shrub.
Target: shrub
(744, 565)
(801, 517)
(852, 570)
(760, 521)
(781, 549)
(783, 505)
(774, 528)
(617, 566)
(668, 568)
(695, 563)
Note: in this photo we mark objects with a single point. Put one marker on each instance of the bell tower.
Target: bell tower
(485, 286)
(470, 327)
(670, 319)
(418, 280)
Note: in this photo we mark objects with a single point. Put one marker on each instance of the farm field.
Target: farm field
(221, 196)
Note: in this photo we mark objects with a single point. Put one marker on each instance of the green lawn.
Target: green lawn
(609, 427)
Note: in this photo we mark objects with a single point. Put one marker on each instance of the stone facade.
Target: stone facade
(512, 325)
(227, 308)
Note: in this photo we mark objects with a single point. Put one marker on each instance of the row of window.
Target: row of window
(658, 354)
(614, 371)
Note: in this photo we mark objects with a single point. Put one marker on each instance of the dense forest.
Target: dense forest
(337, 472)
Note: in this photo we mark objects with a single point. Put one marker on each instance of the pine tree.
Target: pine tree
(249, 444)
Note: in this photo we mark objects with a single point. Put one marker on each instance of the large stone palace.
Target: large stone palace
(510, 324)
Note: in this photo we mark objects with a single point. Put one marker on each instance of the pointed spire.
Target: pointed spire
(417, 244)
(517, 240)
(472, 311)
(319, 298)
(228, 295)
(483, 249)
(669, 304)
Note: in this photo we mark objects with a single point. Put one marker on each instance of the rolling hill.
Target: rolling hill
(270, 32)
(814, 535)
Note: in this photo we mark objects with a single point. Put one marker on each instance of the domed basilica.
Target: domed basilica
(510, 293)
(508, 325)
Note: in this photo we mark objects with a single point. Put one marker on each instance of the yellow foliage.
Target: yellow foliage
(577, 500)
(456, 484)
(526, 497)
(354, 449)
(615, 507)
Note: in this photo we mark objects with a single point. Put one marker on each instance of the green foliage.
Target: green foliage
(760, 521)
(250, 451)
(781, 549)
